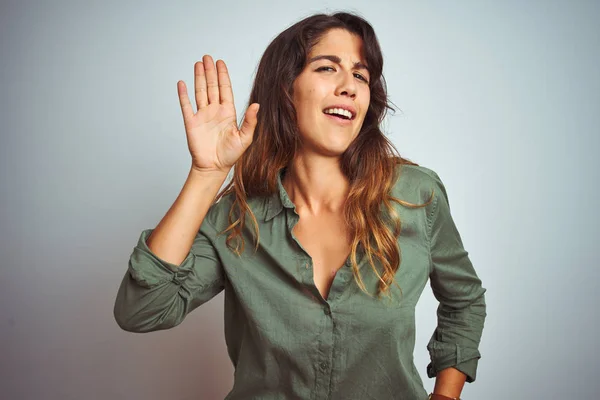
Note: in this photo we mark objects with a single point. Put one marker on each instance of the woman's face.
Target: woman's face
(334, 79)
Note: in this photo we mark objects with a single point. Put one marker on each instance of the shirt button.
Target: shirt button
(323, 366)
(327, 311)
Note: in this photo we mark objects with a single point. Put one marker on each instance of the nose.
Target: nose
(346, 85)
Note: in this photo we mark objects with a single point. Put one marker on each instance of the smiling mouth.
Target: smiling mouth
(340, 114)
(339, 120)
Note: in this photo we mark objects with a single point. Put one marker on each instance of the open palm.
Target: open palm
(214, 139)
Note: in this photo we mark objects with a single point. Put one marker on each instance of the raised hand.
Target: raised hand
(214, 139)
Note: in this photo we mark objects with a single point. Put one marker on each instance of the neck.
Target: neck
(316, 186)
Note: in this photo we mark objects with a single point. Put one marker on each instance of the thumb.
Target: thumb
(249, 123)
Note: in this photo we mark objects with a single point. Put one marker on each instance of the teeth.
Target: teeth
(339, 111)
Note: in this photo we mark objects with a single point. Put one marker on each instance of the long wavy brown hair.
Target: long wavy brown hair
(369, 163)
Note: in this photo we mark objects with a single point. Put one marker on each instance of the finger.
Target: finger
(184, 101)
(200, 85)
(249, 124)
(212, 83)
(225, 91)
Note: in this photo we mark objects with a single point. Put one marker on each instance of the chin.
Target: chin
(332, 143)
(334, 149)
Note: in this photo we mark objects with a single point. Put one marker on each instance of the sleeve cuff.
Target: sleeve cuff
(445, 355)
(148, 270)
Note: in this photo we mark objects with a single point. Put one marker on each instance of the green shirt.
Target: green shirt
(287, 342)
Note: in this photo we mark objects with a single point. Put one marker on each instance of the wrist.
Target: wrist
(213, 173)
(434, 396)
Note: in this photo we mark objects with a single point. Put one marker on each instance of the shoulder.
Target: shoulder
(219, 211)
(415, 183)
(217, 215)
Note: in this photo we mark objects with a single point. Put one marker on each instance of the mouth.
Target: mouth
(338, 120)
(342, 114)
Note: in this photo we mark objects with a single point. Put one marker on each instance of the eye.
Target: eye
(326, 68)
(356, 74)
(359, 76)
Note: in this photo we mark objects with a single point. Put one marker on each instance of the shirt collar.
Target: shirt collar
(280, 199)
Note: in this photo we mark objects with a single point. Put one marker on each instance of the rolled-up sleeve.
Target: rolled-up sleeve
(156, 295)
(455, 284)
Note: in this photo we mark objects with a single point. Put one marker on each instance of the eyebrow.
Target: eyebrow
(337, 60)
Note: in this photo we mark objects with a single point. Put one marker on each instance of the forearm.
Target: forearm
(449, 382)
(173, 237)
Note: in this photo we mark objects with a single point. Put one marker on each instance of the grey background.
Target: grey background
(500, 98)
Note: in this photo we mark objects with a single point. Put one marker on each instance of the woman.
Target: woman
(346, 233)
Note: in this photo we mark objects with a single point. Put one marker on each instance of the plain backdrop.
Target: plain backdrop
(500, 98)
